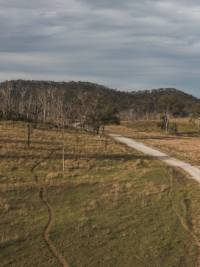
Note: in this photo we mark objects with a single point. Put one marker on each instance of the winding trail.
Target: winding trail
(194, 172)
(47, 229)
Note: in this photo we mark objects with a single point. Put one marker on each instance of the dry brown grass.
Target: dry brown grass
(183, 147)
(111, 208)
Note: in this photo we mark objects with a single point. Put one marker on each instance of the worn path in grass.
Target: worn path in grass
(43, 196)
(193, 171)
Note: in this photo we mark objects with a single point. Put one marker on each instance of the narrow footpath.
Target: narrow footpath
(47, 229)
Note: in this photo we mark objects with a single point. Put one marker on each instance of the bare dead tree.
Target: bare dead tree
(29, 131)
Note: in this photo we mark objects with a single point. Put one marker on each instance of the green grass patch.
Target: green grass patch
(113, 206)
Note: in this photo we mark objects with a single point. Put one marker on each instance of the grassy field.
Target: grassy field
(185, 126)
(112, 207)
(184, 145)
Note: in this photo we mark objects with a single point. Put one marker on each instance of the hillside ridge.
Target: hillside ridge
(50, 101)
(161, 90)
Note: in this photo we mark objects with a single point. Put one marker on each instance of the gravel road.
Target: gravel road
(193, 171)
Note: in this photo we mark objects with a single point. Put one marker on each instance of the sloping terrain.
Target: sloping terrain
(193, 172)
(184, 145)
(44, 101)
(112, 207)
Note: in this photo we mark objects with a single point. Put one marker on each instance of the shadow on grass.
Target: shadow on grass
(163, 137)
(159, 137)
(189, 134)
(58, 156)
(24, 142)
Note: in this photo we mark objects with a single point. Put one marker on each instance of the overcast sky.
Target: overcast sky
(124, 44)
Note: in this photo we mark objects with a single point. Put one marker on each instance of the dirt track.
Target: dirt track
(43, 196)
(194, 172)
(47, 229)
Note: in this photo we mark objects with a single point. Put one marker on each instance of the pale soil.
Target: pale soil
(185, 148)
(194, 172)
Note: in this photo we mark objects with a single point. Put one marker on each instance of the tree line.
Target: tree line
(153, 104)
(88, 105)
(60, 104)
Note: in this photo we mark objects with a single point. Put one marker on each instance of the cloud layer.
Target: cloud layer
(125, 44)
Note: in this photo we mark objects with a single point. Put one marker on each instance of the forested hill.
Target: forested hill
(173, 101)
(51, 101)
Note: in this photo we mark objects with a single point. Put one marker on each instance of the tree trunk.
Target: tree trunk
(63, 152)
(28, 134)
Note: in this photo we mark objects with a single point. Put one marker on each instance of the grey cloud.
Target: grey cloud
(112, 4)
(126, 44)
